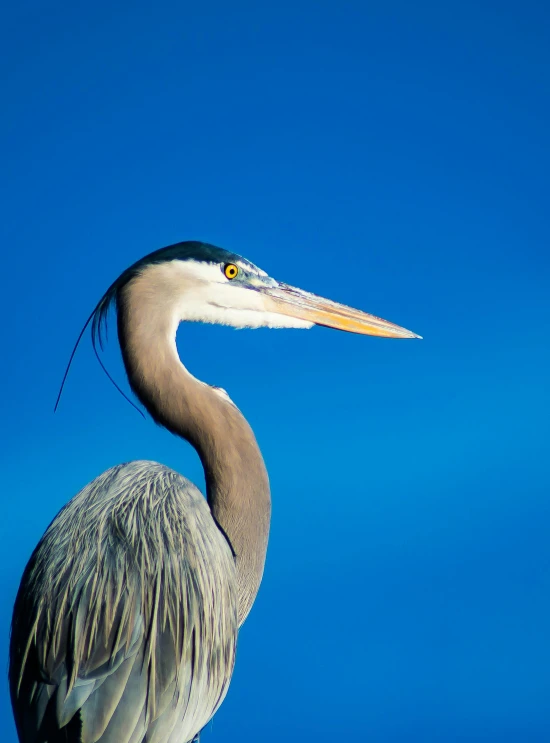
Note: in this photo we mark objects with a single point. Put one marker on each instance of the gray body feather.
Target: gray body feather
(126, 618)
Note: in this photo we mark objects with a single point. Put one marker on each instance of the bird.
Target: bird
(126, 620)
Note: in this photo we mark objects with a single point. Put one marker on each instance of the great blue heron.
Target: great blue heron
(125, 623)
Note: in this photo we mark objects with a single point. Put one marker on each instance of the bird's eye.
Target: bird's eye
(230, 270)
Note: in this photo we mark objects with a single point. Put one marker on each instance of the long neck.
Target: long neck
(237, 484)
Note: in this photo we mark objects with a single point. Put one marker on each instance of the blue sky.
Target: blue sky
(390, 155)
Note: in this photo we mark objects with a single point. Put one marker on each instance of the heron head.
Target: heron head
(210, 284)
(221, 287)
(203, 283)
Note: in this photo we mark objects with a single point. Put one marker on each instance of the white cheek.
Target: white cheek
(195, 307)
(206, 296)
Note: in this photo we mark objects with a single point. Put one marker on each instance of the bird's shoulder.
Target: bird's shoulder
(139, 502)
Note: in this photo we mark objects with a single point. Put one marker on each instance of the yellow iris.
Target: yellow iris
(231, 270)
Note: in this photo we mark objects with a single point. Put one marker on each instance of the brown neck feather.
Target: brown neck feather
(237, 485)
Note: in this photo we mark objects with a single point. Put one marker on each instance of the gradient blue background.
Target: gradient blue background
(391, 155)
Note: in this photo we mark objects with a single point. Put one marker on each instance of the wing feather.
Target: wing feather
(125, 623)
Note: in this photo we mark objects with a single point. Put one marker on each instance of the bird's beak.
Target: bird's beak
(287, 300)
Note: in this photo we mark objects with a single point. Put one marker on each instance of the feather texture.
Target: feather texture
(126, 615)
